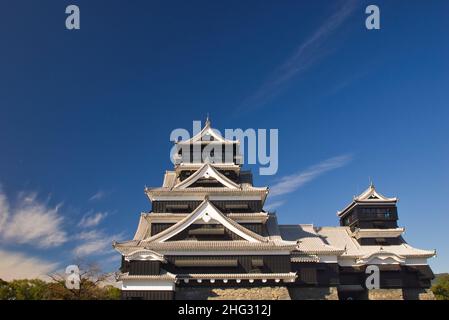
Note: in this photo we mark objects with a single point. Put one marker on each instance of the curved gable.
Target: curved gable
(209, 132)
(382, 257)
(207, 171)
(206, 213)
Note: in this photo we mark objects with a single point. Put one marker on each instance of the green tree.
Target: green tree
(33, 289)
(94, 285)
(6, 292)
(441, 288)
(111, 293)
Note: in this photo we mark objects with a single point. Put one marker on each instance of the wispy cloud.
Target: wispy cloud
(292, 182)
(96, 243)
(93, 241)
(15, 265)
(4, 209)
(92, 220)
(275, 204)
(88, 235)
(27, 220)
(307, 54)
(98, 196)
(31, 222)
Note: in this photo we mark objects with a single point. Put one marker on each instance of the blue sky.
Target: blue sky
(85, 116)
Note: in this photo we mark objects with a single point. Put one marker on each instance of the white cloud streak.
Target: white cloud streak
(95, 243)
(307, 54)
(98, 196)
(4, 209)
(15, 265)
(275, 204)
(31, 222)
(92, 220)
(291, 183)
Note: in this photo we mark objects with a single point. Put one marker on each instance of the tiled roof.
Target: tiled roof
(169, 179)
(195, 246)
(273, 228)
(207, 130)
(175, 217)
(213, 276)
(308, 240)
(301, 257)
(143, 228)
(377, 233)
(268, 276)
(195, 166)
(207, 171)
(341, 237)
(164, 276)
(243, 188)
(369, 196)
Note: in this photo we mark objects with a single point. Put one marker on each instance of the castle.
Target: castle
(208, 237)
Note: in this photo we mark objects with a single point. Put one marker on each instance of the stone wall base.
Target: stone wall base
(313, 293)
(294, 293)
(385, 294)
(418, 294)
(232, 293)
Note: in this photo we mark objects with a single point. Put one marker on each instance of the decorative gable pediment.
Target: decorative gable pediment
(382, 257)
(207, 172)
(206, 213)
(368, 197)
(207, 134)
(145, 255)
(371, 194)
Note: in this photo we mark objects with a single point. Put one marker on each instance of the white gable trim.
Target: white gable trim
(372, 192)
(365, 198)
(200, 196)
(206, 171)
(207, 130)
(377, 233)
(381, 257)
(151, 285)
(145, 255)
(208, 213)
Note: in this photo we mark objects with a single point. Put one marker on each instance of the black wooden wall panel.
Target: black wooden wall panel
(248, 206)
(405, 277)
(258, 228)
(147, 295)
(246, 264)
(144, 267)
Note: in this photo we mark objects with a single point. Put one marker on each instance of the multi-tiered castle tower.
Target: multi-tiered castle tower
(208, 235)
